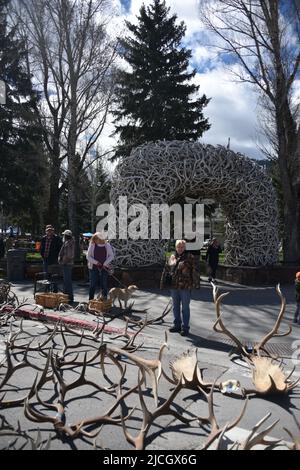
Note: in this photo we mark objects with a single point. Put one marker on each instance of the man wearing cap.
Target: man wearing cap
(66, 260)
(50, 248)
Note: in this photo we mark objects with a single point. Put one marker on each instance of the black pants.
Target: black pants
(213, 271)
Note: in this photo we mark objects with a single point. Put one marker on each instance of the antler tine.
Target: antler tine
(254, 439)
(4, 424)
(163, 347)
(215, 429)
(58, 420)
(166, 312)
(296, 441)
(123, 335)
(50, 337)
(64, 388)
(20, 365)
(34, 415)
(73, 332)
(129, 346)
(149, 417)
(106, 418)
(274, 332)
(147, 365)
(219, 442)
(293, 385)
(20, 401)
(290, 374)
(219, 322)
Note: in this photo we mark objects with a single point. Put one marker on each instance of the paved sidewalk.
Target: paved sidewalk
(250, 313)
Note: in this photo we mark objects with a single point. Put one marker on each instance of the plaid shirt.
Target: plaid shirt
(47, 247)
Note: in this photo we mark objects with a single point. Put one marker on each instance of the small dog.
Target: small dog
(122, 294)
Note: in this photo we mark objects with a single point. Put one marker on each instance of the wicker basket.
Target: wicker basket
(103, 306)
(51, 300)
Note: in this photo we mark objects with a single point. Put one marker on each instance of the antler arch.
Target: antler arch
(156, 173)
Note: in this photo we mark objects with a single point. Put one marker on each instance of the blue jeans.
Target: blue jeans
(297, 313)
(45, 266)
(181, 308)
(68, 286)
(98, 276)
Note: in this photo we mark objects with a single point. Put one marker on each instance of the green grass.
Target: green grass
(33, 257)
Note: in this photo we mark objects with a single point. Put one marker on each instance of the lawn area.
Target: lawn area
(30, 257)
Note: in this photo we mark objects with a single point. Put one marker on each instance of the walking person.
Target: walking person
(212, 258)
(99, 256)
(297, 295)
(66, 260)
(181, 275)
(50, 248)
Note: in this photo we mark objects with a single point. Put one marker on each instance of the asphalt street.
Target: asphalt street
(249, 312)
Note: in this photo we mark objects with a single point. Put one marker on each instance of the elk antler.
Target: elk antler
(216, 431)
(185, 369)
(64, 388)
(296, 440)
(274, 332)
(130, 346)
(254, 439)
(37, 385)
(268, 377)
(149, 417)
(146, 365)
(219, 326)
(19, 365)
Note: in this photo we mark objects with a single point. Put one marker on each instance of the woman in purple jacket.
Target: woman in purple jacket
(99, 256)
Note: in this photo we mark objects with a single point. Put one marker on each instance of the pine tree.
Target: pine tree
(155, 99)
(21, 158)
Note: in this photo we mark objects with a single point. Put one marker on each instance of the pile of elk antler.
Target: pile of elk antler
(267, 375)
(76, 383)
(7, 297)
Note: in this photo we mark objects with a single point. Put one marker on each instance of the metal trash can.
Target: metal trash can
(16, 260)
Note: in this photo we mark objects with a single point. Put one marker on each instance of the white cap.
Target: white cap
(68, 233)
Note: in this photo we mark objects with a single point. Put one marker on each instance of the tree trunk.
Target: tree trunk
(73, 175)
(52, 212)
(72, 204)
(289, 169)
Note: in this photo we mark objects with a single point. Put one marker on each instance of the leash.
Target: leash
(110, 273)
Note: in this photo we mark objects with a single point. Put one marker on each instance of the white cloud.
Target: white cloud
(186, 10)
(232, 111)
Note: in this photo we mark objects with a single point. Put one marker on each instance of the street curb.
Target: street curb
(55, 318)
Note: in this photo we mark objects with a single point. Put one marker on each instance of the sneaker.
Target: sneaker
(174, 329)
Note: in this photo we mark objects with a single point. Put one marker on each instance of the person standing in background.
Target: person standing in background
(50, 248)
(99, 256)
(212, 258)
(66, 260)
(180, 275)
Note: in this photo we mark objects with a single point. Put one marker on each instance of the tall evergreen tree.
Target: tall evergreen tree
(20, 138)
(155, 99)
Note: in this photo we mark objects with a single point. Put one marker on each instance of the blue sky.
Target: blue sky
(232, 111)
